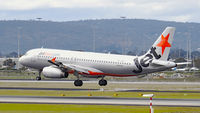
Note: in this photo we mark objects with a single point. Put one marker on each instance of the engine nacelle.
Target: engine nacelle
(53, 72)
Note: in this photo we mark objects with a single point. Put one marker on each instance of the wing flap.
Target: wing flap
(74, 67)
(84, 69)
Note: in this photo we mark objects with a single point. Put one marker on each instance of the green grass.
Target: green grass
(62, 108)
(97, 93)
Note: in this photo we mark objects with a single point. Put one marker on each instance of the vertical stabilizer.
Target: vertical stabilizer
(162, 45)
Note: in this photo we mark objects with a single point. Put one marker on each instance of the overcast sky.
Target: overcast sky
(66, 10)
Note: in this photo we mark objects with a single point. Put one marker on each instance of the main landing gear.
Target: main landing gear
(102, 82)
(77, 82)
(39, 76)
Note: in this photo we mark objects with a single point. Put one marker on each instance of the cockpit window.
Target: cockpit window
(31, 52)
(28, 52)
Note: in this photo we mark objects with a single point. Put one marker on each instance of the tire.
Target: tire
(102, 82)
(78, 82)
(66, 74)
(38, 78)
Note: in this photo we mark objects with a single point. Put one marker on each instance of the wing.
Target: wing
(74, 68)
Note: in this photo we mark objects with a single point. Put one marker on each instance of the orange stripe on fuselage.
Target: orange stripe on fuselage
(105, 74)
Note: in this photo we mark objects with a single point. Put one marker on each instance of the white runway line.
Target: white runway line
(102, 101)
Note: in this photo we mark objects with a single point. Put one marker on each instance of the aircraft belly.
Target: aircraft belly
(39, 65)
(153, 69)
(110, 69)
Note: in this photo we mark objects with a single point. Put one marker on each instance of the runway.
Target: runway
(56, 89)
(114, 82)
(84, 89)
(100, 101)
(97, 89)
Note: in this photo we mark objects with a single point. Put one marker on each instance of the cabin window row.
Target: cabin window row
(86, 60)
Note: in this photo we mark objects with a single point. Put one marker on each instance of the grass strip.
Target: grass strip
(64, 108)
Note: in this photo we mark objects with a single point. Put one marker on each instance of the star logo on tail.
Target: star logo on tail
(164, 43)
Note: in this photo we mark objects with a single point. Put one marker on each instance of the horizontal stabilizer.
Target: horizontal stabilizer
(183, 63)
(163, 63)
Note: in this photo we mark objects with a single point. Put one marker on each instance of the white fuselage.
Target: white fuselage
(109, 64)
(54, 63)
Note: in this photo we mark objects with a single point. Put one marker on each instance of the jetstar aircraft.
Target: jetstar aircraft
(54, 63)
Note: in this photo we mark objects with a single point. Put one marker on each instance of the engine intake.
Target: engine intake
(53, 72)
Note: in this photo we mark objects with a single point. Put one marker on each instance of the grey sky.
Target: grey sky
(65, 10)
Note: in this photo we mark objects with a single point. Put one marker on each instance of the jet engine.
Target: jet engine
(53, 72)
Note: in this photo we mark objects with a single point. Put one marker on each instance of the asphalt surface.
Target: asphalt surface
(56, 89)
(84, 89)
(100, 101)
(117, 82)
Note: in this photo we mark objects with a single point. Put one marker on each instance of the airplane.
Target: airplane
(55, 63)
(194, 69)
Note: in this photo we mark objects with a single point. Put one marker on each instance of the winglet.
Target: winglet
(53, 60)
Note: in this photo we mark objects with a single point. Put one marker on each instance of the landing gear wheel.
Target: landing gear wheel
(78, 82)
(38, 78)
(102, 82)
(66, 74)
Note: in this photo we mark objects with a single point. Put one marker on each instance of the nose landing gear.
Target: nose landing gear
(39, 76)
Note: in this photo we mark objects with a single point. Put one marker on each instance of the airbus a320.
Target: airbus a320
(54, 63)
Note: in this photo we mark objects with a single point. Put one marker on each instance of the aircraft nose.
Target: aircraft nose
(22, 60)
